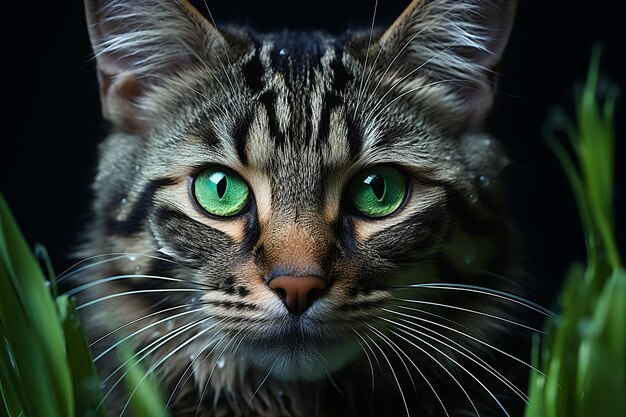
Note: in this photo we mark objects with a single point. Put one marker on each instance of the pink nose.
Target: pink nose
(297, 290)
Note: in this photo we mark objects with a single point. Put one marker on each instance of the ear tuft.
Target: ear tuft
(139, 43)
(458, 42)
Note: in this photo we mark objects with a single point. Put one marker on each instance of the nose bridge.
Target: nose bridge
(298, 243)
(297, 253)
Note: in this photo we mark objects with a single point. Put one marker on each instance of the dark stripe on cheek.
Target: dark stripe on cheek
(412, 239)
(139, 212)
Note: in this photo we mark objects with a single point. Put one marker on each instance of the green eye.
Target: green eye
(221, 192)
(378, 191)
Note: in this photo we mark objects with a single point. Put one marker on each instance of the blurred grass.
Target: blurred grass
(46, 367)
(584, 354)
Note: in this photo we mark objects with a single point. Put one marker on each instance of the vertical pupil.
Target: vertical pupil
(221, 187)
(378, 186)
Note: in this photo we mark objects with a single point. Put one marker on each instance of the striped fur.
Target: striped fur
(297, 115)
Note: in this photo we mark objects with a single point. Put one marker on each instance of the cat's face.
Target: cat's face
(294, 181)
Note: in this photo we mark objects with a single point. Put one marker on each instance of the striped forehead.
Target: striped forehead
(296, 129)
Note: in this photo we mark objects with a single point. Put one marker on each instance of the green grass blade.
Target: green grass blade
(146, 399)
(86, 383)
(27, 314)
(585, 350)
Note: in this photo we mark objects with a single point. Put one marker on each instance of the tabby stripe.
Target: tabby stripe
(268, 99)
(341, 76)
(420, 229)
(355, 139)
(139, 212)
(253, 72)
(240, 132)
(331, 102)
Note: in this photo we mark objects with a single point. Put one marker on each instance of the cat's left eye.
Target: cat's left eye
(378, 191)
(221, 192)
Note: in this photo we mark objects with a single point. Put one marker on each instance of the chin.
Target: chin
(306, 360)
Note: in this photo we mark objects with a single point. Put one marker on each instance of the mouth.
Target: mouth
(299, 349)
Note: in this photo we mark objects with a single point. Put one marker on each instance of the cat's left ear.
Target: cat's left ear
(139, 44)
(456, 44)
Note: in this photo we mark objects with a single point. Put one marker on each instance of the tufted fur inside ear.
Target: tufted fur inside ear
(138, 43)
(457, 42)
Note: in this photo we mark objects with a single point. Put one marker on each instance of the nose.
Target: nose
(297, 290)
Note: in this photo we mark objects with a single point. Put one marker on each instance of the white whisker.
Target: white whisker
(469, 310)
(257, 390)
(137, 332)
(382, 335)
(163, 359)
(410, 91)
(451, 359)
(369, 360)
(130, 323)
(395, 377)
(367, 53)
(469, 355)
(482, 342)
(156, 344)
(217, 360)
(125, 293)
(95, 283)
(484, 291)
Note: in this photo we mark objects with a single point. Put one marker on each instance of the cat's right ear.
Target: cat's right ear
(140, 43)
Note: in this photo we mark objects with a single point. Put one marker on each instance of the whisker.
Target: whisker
(395, 377)
(469, 310)
(482, 342)
(125, 293)
(143, 329)
(381, 99)
(182, 383)
(130, 323)
(324, 363)
(206, 384)
(162, 360)
(367, 53)
(389, 342)
(156, 344)
(470, 355)
(257, 390)
(369, 360)
(223, 44)
(410, 91)
(461, 367)
(69, 272)
(95, 283)
(484, 291)
(397, 55)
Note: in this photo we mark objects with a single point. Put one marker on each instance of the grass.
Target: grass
(46, 367)
(584, 354)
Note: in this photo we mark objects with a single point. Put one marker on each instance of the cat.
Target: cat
(296, 224)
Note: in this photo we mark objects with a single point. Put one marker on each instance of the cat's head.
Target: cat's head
(296, 180)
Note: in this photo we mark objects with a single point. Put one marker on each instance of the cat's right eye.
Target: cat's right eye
(221, 192)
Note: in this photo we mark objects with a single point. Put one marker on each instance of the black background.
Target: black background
(51, 117)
